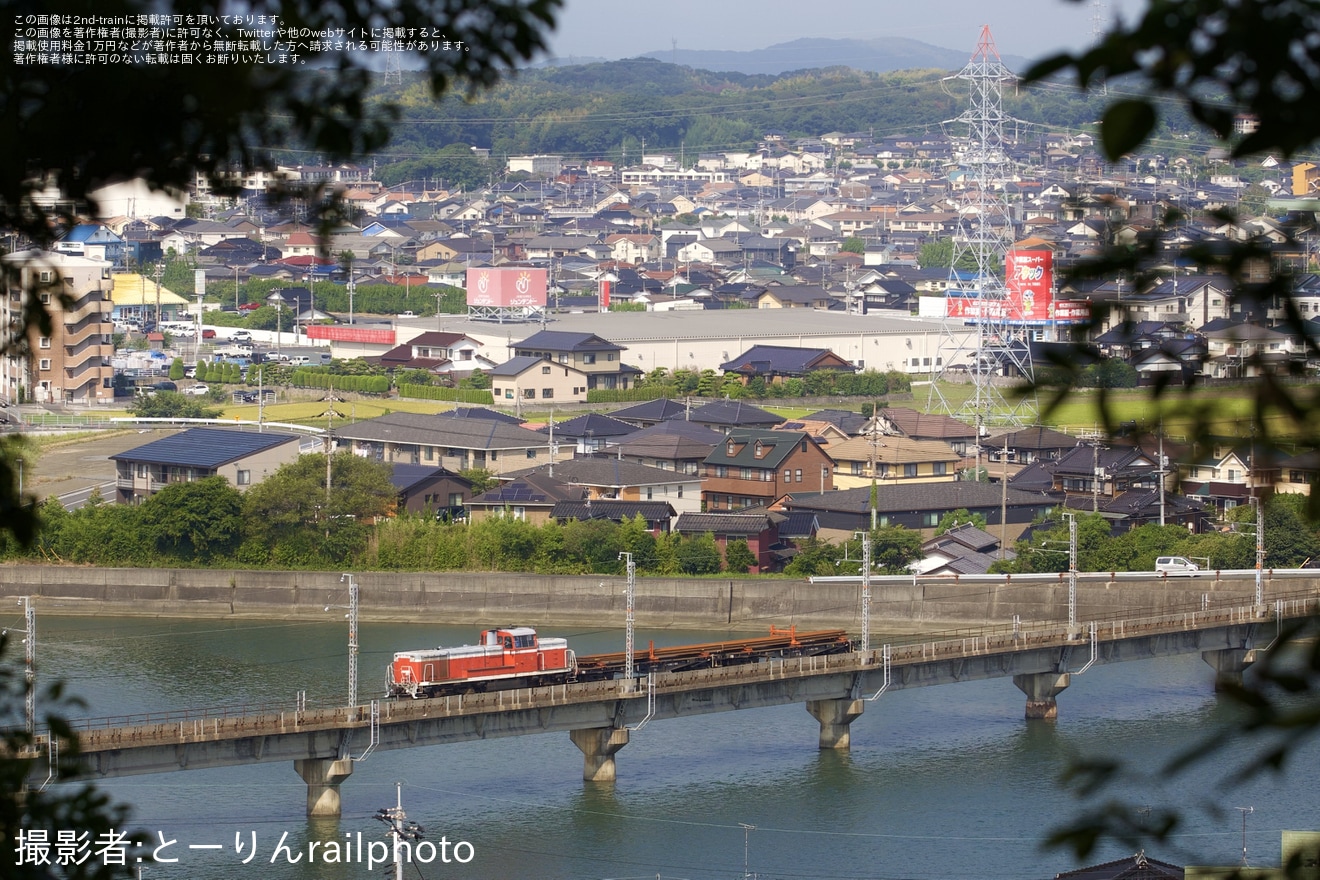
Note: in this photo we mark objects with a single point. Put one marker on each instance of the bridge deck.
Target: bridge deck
(1034, 647)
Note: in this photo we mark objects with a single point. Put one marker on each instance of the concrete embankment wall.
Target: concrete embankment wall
(746, 604)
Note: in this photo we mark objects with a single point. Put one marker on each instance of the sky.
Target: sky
(625, 28)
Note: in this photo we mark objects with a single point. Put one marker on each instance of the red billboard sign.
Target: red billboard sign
(350, 334)
(506, 288)
(1030, 279)
(1028, 297)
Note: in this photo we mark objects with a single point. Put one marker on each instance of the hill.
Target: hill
(877, 56)
(609, 109)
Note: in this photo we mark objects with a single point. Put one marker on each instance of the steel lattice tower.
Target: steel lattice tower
(983, 327)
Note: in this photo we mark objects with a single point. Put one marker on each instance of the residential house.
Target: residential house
(963, 549)
(795, 296)
(529, 380)
(1025, 445)
(847, 421)
(673, 445)
(1095, 472)
(530, 497)
(651, 412)
(600, 359)
(752, 468)
(759, 529)
(774, 363)
(612, 479)
(1230, 473)
(244, 458)
(896, 459)
(918, 506)
(633, 248)
(428, 489)
(135, 296)
(1137, 507)
(437, 352)
(589, 434)
(1299, 473)
(910, 423)
(1239, 350)
(456, 443)
(95, 241)
(727, 415)
(658, 514)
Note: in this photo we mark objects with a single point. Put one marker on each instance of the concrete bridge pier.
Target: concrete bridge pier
(598, 745)
(1229, 664)
(323, 777)
(836, 718)
(1041, 688)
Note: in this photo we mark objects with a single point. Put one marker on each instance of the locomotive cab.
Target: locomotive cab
(511, 639)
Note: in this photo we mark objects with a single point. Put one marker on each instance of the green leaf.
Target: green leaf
(1126, 126)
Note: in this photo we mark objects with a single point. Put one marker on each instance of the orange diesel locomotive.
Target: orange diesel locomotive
(510, 657)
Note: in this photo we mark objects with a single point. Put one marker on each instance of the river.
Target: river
(941, 782)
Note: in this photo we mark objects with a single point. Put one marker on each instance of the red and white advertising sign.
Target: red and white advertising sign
(1072, 311)
(605, 295)
(506, 288)
(1030, 281)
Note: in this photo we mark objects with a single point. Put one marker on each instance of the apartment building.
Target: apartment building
(72, 364)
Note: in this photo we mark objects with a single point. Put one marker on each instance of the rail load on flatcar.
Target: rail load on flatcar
(780, 644)
(506, 657)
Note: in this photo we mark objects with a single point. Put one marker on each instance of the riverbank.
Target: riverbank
(739, 604)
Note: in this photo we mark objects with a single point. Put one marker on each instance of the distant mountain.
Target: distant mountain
(878, 55)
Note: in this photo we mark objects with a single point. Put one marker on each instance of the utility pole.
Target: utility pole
(1164, 463)
(159, 269)
(351, 286)
(1095, 477)
(400, 829)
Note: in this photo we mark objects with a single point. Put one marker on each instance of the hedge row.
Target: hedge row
(630, 395)
(439, 392)
(316, 378)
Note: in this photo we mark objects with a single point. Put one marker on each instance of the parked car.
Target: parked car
(299, 360)
(1176, 565)
(241, 336)
(208, 333)
(197, 390)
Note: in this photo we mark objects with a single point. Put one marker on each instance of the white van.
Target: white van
(1176, 565)
(299, 360)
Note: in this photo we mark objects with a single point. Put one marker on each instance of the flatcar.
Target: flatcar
(506, 657)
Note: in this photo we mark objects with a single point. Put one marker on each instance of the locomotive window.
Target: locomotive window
(524, 641)
(508, 642)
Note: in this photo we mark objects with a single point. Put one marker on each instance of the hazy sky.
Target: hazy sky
(625, 28)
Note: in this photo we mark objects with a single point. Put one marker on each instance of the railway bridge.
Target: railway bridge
(599, 716)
